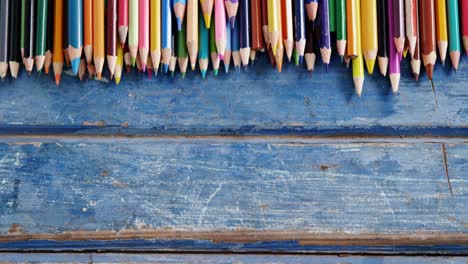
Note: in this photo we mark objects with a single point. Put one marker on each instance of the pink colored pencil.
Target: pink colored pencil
(220, 27)
(143, 36)
(122, 21)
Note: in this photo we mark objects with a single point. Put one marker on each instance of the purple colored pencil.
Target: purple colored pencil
(394, 57)
(398, 24)
(325, 47)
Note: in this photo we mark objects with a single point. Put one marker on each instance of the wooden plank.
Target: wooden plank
(259, 101)
(225, 195)
(222, 258)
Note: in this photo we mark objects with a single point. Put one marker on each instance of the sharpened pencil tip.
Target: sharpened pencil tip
(166, 68)
(203, 73)
(215, 72)
(57, 79)
(75, 65)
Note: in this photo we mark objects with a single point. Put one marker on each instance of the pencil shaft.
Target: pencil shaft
(325, 45)
(332, 14)
(57, 56)
(133, 29)
(394, 59)
(427, 35)
(75, 32)
(369, 32)
(220, 24)
(192, 31)
(398, 19)
(256, 18)
(358, 62)
(454, 26)
(88, 29)
(441, 27)
(352, 28)
(265, 30)
(14, 30)
(411, 21)
(155, 33)
(166, 24)
(203, 44)
(98, 35)
(111, 28)
(29, 29)
(382, 28)
(23, 25)
(122, 20)
(273, 23)
(41, 27)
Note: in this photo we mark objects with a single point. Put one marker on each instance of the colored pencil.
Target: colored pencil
(127, 58)
(280, 46)
(57, 53)
(118, 64)
(235, 45)
(287, 27)
(66, 57)
(256, 19)
(123, 21)
(454, 33)
(22, 26)
(14, 55)
(75, 32)
(411, 21)
(273, 23)
(179, 12)
(358, 62)
(351, 28)
(332, 14)
(182, 54)
(98, 36)
(227, 51)
(231, 9)
(173, 61)
(207, 8)
(111, 35)
(369, 33)
(341, 27)
(394, 57)
(82, 69)
(29, 35)
(49, 39)
(220, 22)
(133, 29)
(41, 34)
(399, 25)
(88, 30)
(299, 29)
(464, 23)
(144, 32)
(416, 61)
(309, 55)
(266, 33)
(213, 47)
(244, 17)
(441, 29)
(427, 35)
(203, 44)
(311, 7)
(271, 57)
(325, 43)
(192, 31)
(166, 32)
(155, 33)
(383, 36)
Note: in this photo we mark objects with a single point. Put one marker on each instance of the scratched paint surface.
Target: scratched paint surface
(257, 100)
(187, 185)
(215, 258)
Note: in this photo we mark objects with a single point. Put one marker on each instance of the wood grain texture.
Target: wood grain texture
(259, 101)
(176, 195)
(220, 258)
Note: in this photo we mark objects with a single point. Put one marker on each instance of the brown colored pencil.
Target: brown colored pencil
(427, 35)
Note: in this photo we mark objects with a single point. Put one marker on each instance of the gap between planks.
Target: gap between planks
(290, 139)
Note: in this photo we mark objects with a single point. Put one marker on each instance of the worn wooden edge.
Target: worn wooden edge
(303, 237)
(219, 258)
(104, 129)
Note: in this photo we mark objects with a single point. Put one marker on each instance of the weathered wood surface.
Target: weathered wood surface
(232, 195)
(259, 101)
(220, 259)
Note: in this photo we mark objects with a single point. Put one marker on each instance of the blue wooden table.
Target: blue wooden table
(255, 162)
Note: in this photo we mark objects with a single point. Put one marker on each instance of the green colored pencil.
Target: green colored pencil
(203, 45)
(332, 14)
(341, 27)
(41, 33)
(454, 33)
(213, 51)
(22, 26)
(182, 55)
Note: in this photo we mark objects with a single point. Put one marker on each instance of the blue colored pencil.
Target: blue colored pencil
(75, 33)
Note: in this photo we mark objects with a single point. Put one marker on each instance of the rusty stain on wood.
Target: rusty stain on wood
(250, 236)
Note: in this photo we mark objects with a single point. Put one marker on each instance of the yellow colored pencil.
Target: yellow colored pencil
(441, 28)
(119, 64)
(369, 33)
(155, 33)
(273, 23)
(358, 62)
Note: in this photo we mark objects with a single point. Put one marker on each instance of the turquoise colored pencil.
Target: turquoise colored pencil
(454, 33)
(203, 45)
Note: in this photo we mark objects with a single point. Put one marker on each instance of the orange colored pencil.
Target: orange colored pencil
(98, 36)
(88, 29)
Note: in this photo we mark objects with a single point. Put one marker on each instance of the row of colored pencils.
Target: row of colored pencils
(88, 34)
